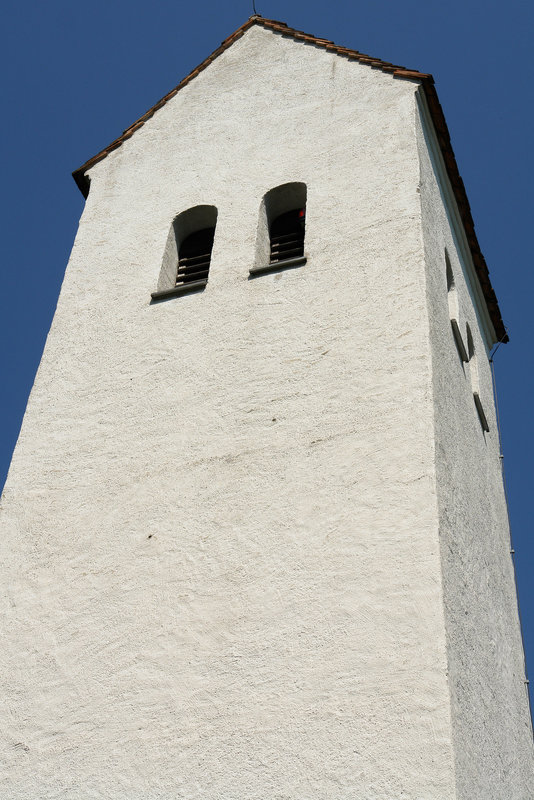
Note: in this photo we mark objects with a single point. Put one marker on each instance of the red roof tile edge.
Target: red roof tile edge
(396, 71)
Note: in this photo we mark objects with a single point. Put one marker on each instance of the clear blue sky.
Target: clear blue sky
(75, 75)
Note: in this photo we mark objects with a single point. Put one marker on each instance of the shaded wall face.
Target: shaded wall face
(491, 723)
(221, 518)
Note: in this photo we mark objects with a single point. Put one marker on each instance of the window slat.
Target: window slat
(191, 259)
(194, 276)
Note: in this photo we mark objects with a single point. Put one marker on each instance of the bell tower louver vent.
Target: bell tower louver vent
(195, 257)
(287, 235)
(187, 257)
(281, 229)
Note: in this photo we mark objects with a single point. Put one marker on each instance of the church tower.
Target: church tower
(254, 536)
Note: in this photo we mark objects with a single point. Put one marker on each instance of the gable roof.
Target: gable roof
(436, 112)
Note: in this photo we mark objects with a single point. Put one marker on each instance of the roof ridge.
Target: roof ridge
(396, 71)
(271, 24)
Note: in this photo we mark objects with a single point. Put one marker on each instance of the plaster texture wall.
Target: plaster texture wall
(492, 727)
(220, 528)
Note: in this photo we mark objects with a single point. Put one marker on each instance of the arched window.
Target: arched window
(187, 257)
(281, 229)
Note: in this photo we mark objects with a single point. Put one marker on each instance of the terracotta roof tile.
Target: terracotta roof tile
(397, 71)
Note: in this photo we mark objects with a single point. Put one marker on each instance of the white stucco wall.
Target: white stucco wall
(492, 728)
(220, 527)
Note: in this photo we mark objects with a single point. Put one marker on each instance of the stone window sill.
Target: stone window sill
(176, 291)
(275, 266)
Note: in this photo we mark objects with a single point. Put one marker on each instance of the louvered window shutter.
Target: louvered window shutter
(195, 257)
(287, 235)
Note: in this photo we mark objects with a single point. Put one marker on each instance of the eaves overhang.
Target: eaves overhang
(427, 82)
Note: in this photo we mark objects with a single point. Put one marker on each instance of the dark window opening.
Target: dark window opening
(195, 256)
(449, 273)
(287, 235)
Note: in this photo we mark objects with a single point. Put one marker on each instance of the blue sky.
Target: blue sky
(75, 75)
